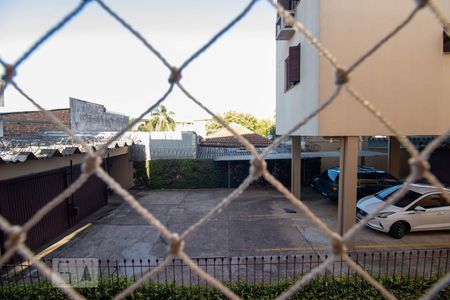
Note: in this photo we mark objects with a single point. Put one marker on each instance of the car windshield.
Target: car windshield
(406, 200)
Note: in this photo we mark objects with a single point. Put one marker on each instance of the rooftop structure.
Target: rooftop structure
(23, 148)
(80, 116)
(224, 138)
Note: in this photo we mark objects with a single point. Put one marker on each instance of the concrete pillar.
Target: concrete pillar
(296, 166)
(229, 175)
(363, 146)
(394, 156)
(347, 183)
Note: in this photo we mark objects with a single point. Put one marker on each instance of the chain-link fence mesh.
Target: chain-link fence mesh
(92, 162)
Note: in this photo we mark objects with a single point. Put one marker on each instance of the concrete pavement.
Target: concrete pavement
(259, 222)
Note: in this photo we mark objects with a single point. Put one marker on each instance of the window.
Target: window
(293, 4)
(367, 178)
(289, 4)
(446, 42)
(333, 175)
(406, 200)
(431, 201)
(387, 179)
(292, 67)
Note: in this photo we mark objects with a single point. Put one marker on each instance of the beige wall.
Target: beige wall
(406, 79)
(121, 169)
(379, 162)
(9, 171)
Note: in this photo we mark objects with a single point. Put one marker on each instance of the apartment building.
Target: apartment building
(407, 79)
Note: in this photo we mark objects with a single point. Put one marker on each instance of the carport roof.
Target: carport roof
(235, 154)
(19, 149)
(303, 155)
(419, 141)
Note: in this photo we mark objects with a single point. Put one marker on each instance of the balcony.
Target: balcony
(284, 31)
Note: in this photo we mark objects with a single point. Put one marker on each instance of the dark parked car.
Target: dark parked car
(370, 181)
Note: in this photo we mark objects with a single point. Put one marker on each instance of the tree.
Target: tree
(265, 127)
(161, 120)
(261, 127)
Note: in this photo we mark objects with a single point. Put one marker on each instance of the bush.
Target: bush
(141, 174)
(181, 174)
(330, 288)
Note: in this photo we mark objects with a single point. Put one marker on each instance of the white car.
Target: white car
(422, 208)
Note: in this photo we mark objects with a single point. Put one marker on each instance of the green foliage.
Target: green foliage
(319, 288)
(180, 174)
(143, 127)
(141, 173)
(187, 174)
(261, 127)
(161, 120)
(265, 127)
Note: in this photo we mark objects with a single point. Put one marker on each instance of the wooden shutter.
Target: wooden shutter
(284, 3)
(446, 40)
(294, 64)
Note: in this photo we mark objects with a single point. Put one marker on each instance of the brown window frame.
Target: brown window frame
(445, 42)
(289, 4)
(292, 67)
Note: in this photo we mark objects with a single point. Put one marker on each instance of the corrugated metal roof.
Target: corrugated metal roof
(418, 141)
(214, 152)
(232, 154)
(23, 148)
(224, 138)
(71, 151)
(231, 141)
(17, 157)
(48, 153)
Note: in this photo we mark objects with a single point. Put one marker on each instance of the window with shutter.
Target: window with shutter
(446, 41)
(285, 3)
(292, 67)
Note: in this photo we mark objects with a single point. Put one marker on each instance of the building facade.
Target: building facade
(406, 80)
(80, 116)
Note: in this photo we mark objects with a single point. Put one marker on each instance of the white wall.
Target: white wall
(173, 144)
(302, 99)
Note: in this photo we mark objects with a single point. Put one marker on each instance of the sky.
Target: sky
(95, 59)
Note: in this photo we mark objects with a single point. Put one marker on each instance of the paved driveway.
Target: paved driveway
(259, 222)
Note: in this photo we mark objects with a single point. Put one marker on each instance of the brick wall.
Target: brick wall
(37, 122)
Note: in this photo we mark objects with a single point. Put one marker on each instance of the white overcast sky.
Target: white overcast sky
(95, 59)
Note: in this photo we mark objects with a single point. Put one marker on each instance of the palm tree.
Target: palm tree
(162, 120)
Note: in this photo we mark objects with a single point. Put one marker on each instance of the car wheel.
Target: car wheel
(399, 229)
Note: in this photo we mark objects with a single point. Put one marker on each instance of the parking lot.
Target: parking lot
(259, 222)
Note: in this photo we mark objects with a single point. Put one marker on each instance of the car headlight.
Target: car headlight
(385, 214)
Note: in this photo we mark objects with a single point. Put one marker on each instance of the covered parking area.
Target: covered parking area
(297, 167)
(350, 154)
